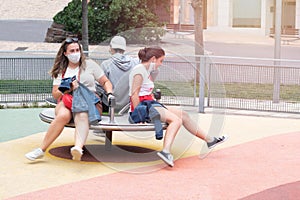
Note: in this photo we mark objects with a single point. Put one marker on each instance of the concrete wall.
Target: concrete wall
(297, 14)
(224, 11)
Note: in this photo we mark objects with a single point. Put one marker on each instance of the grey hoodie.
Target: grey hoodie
(117, 69)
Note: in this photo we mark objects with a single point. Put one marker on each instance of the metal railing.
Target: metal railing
(209, 82)
(25, 79)
(252, 84)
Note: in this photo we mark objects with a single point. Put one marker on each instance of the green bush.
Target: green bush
(70, 17)
(134, 19)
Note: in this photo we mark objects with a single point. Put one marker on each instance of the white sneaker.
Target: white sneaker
(76, 153)
(35, 154)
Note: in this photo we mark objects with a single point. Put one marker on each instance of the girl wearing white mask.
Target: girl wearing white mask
(140, 89)
(70, 61)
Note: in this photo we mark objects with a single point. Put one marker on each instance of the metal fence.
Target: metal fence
(225, 82)
(252, 84)
(25, 79)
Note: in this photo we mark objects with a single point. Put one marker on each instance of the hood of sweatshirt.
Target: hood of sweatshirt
(123, 62)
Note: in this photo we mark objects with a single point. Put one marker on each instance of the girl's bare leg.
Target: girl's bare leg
(174, 125)
(189, 124)
(63, 116)
(82, 128)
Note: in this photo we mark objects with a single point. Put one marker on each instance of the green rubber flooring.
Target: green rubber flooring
(17, 123)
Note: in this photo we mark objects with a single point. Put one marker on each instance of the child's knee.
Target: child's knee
(64, 117)
(178, 121)
(81, 116)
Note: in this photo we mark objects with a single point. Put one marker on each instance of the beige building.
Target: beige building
(250, 15)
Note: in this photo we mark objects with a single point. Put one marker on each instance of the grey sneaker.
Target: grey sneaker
(166, 157)
(216, 141)
(35, 154)
(76, 153)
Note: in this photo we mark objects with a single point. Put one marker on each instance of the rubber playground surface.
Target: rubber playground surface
(260, 160)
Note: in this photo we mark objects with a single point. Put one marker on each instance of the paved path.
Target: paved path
(31, 9)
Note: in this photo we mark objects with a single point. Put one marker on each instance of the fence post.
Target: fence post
(276, 82)
(202, 83)
(277, 52)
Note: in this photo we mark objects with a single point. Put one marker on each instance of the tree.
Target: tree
(118, 16)
(85, 35)
(110, 17)
(71, 17)
(199, 47)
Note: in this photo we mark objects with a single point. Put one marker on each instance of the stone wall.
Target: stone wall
(57, 34)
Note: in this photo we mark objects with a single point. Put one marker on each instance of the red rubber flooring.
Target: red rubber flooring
(264, 169)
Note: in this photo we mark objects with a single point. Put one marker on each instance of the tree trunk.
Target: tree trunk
(85, 32)
(199, 47)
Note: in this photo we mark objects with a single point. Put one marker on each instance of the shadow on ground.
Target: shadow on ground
(116, 154)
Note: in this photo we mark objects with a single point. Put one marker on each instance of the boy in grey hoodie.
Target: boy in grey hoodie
(117, 69)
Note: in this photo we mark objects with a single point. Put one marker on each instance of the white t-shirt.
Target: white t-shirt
(147, 85)
(87, 76)
(71, 72)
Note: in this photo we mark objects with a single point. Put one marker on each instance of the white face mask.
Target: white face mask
(151, 67)
(74, 57)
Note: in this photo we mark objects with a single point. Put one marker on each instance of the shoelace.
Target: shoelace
(37, 153)
(220, 139)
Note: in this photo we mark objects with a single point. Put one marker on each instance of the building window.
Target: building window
(247, 13)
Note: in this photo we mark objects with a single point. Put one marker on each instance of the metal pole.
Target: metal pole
(202, 84)
(85, 32)
(278, 29)
(277, 51)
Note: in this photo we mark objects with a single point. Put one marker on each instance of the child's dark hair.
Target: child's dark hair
(147, 53)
